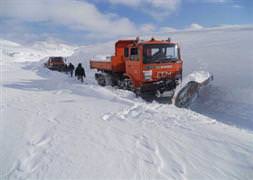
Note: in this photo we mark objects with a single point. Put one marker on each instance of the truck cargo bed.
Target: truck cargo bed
(101, 65)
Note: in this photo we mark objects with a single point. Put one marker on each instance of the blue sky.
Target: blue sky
(85, 21)
(206, 13)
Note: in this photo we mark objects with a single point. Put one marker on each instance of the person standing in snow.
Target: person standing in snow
(71, 68)
(65, 68)
(79, 72)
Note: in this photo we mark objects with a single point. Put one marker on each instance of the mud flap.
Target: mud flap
(184, 97)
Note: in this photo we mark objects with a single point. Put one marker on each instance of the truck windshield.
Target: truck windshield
(159, 53)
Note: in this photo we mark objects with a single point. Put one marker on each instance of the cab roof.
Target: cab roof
(156, 42)
(142, 42)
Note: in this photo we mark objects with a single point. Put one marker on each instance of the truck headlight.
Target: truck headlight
(147, 75)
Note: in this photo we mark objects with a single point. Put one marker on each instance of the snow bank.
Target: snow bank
(53, 127)
(58, 128)
(227, 55)
(15, 52)
(197, 76)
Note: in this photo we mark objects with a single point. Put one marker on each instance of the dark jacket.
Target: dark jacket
(71, 67)
(79, 71)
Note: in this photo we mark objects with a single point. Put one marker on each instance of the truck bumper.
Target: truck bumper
(160, 86)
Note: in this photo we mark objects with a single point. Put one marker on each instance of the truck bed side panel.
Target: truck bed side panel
(115, 65)
(101, 65)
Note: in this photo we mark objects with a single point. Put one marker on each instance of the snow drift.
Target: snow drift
(53, 127)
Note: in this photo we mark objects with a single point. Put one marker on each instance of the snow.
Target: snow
(15, 52)
(202, 78)
(196, 76)
(54, 127)
(227, 55)
(102, 57)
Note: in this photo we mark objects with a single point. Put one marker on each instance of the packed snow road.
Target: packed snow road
(56, 128)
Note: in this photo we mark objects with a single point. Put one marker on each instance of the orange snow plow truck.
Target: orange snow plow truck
(146, 67)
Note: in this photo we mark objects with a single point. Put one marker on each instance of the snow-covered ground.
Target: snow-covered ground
(53, 127)
(11, 51)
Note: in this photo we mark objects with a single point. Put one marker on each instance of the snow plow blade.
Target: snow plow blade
(188, 90)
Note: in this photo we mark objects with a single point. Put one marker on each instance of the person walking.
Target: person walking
(65, 68)
(71, 68)
(80, 72)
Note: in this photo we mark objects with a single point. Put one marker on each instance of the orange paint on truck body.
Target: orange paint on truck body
(144, 62)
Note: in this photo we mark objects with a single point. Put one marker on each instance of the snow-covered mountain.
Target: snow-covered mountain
(12, 51)
(53, 127)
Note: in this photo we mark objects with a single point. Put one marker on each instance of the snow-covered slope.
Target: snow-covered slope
(53, 127)
(225, 52)
(11, 51)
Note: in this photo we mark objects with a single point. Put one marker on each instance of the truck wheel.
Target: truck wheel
(137, 92)
(128, 84)
(101, 81)
(120, 84)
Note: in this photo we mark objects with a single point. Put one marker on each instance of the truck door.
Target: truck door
(133, 65)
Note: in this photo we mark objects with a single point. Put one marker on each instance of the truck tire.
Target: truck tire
(126, 84)
(103, 79)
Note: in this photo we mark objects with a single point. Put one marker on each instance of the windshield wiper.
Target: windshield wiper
(157, 61)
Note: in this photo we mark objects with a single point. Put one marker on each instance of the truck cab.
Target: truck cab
(153, 65)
